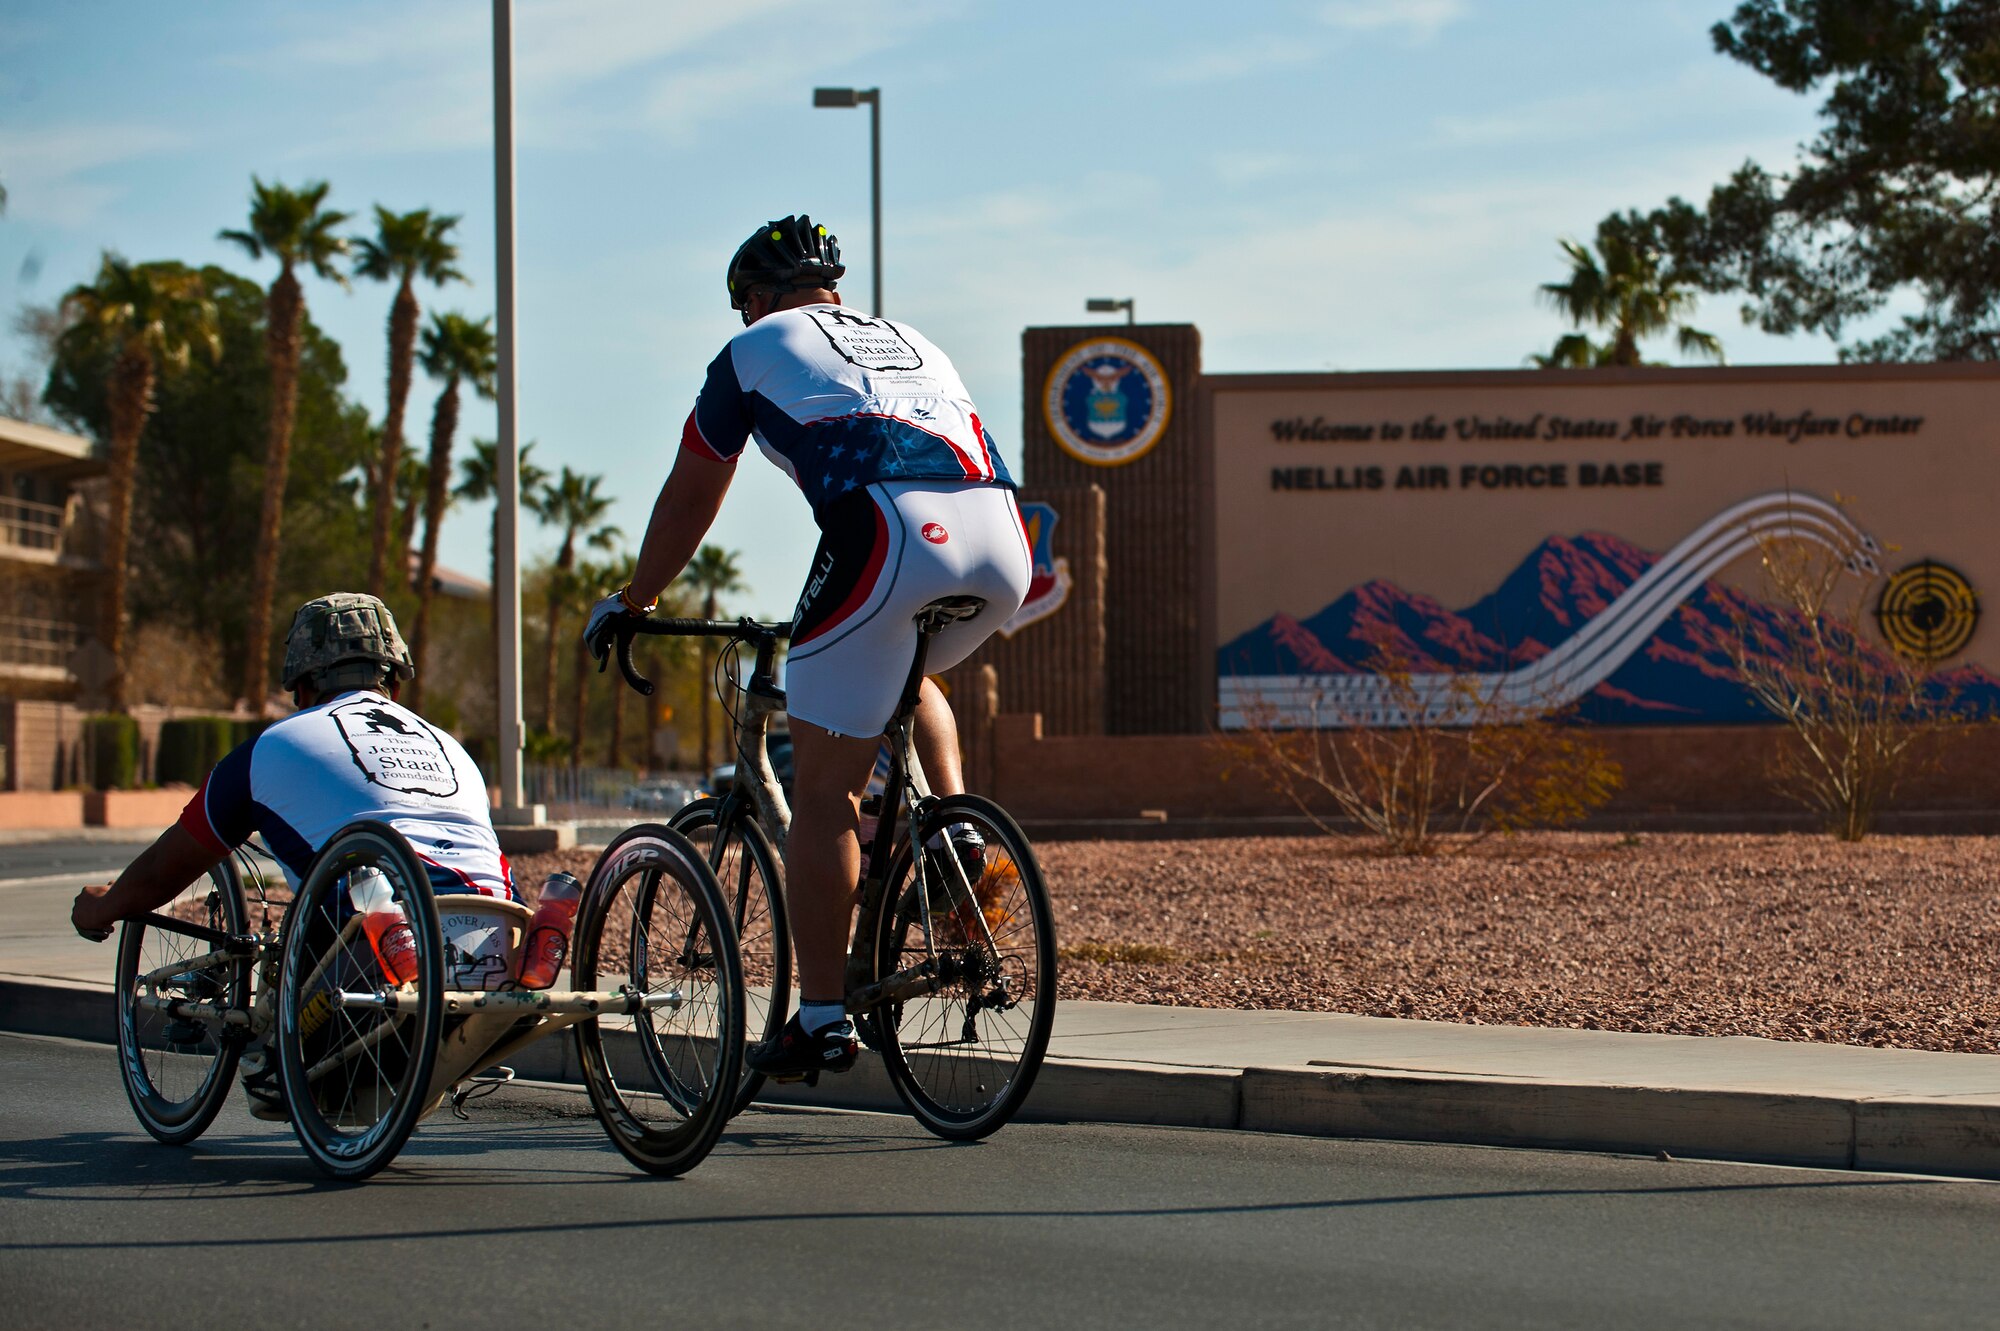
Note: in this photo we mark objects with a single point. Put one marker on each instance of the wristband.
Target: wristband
(625, 595)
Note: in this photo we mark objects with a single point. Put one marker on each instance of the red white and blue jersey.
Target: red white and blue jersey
(840, 401)
(357, 756)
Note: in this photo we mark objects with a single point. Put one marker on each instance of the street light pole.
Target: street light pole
(873, 98)
(507, 520)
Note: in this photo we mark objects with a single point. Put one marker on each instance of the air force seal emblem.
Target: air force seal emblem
(1049, 585)
(1107, 401)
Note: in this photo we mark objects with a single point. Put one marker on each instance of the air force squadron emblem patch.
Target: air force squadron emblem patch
(1049, 587)
(393, 749)
(1107, 401)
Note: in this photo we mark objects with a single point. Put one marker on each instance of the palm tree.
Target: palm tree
(294, 227)
(479, 481)
(456, 350)
(1633, 294)
(713, 573)
(137, 317)
(405, 247)
(574, 504)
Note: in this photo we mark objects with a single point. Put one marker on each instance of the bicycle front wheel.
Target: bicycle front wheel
(976, 930)
(177, 1068)
(746, 868)
(663, 1080)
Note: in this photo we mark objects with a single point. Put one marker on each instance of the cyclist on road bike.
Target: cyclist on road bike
(913, 504)
(350, 752)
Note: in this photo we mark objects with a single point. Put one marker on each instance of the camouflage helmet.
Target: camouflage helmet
(343, 628)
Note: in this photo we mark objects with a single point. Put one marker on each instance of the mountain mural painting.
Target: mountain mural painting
(1590, 623)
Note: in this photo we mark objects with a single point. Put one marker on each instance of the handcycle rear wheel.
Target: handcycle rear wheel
(652, 921)
(964, 1057)
(357, 1071)
(746, 868)
(177, 1071)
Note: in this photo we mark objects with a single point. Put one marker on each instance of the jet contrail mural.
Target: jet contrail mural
(1568, 670)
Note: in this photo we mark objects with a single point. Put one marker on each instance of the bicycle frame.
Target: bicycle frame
(756, 785)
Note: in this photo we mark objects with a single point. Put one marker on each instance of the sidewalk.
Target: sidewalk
(1780, 1102)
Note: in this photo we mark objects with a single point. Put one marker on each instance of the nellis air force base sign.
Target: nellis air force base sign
(1585, 539)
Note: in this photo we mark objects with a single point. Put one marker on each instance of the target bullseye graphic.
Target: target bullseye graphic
(1927, 611)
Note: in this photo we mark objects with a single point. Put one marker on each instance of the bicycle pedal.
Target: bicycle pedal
(811, 1079)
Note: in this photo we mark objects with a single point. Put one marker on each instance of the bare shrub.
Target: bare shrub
(1862, 716)
(1443, 755)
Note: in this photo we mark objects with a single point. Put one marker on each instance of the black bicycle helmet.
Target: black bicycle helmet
(790, 254)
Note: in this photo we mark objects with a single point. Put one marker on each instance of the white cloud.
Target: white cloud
(1420, 20)
(1234, 61)
(49, 168)
(1248, 168)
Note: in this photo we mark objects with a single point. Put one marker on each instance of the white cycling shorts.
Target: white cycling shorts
(886, 552)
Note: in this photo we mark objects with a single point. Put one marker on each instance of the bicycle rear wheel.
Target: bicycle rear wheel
(746, 868)
(964, 1056)
(177, 1069)
(355, 1049)
(663, 1081)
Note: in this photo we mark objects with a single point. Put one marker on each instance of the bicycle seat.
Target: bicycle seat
(948, 610)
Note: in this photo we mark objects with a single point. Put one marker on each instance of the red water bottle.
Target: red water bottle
(383, 921)
(548, 932)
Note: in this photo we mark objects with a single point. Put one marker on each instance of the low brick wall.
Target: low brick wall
(1706, 770)
(40, 809)
(134, 808)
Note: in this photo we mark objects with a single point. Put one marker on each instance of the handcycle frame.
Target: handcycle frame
(756, 784)
(461, 1033)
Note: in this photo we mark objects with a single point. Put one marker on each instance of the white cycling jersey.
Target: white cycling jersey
(841, 401)
(356, 756)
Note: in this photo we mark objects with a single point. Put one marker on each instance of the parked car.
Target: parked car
(660, 794)
(778, 745)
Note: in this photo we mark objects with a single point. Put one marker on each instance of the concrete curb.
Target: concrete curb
(1898, 1134)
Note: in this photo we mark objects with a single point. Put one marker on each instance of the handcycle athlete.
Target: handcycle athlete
(350, 753)
(358, 1023)
(914, 506)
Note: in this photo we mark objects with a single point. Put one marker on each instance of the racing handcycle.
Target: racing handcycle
(951, 973)
(656, 1001)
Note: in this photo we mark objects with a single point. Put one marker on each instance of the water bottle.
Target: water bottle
(548, 932)
(382, 920)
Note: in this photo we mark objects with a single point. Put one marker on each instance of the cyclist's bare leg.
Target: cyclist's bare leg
(823, 853)
(937, 741)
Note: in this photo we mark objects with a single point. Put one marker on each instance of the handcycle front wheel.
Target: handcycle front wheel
(653, 923)
(177, 1069)
(355, 1049)
(746, 868)
(979, 933)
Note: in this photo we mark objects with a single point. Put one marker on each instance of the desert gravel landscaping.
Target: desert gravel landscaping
(1890, 942)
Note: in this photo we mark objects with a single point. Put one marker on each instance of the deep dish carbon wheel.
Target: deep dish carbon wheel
(746, 868)
(178, 1069)
(355, 1051)
(964, 1057)
(652, 921)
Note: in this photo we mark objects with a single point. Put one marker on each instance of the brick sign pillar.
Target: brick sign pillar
(1114, 406)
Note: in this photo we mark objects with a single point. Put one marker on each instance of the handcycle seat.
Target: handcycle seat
(465, 905)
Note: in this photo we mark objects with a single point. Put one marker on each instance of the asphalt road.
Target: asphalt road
(525, 1216)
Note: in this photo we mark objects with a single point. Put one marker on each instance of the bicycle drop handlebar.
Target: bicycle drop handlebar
(766, 637)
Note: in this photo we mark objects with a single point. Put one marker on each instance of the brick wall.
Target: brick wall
(1700, 771)
(1154, 540)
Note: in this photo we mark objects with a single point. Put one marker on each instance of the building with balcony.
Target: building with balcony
(51, 577)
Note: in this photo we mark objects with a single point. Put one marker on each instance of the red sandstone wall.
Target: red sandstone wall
(1691, 770)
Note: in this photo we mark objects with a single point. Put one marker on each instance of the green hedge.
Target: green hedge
(113, 745)
(190, 746)
(242, 732)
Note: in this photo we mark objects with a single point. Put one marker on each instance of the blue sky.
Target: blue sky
(1318, 184)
